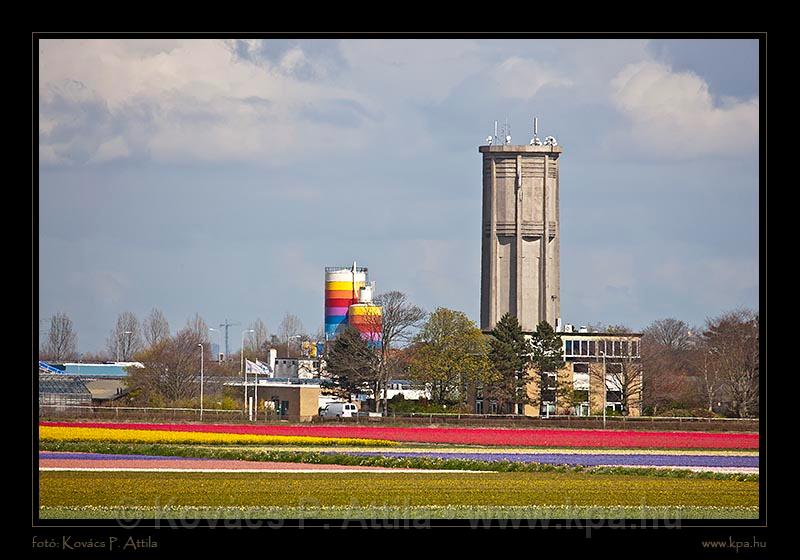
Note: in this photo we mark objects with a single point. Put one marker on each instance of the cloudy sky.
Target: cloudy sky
(222, 176)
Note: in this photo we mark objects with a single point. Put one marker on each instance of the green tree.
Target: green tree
(510, 357)
(450, 355)
(352, 362)
(547, 358)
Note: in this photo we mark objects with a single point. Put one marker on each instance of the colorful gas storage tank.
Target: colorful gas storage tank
(342, 286)
(366, 318)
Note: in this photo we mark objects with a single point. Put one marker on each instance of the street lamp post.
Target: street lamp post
(201, 382)
(287, 342)
(605, 389)
(243, 370)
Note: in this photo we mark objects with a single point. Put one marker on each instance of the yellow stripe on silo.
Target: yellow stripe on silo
(347, 286)
(365, 310)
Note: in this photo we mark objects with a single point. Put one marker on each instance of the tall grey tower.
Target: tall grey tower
(520, 265)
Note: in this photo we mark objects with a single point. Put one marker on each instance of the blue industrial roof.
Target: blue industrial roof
(113, 370)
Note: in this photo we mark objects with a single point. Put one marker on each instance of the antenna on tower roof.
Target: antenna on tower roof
(495, 132)
(535, 140)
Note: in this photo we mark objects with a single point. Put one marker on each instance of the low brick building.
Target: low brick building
(288, 399)
(577, 388)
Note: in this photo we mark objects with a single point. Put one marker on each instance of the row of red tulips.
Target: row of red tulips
(473, 436)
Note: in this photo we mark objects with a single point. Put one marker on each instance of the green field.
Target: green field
(73, 494)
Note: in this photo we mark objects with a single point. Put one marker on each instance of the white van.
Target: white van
(338, 410)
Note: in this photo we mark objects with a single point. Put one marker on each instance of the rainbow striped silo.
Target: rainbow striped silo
(367, 318)
(342, 287)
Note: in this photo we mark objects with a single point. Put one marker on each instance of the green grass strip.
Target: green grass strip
(390, 515)
(252, 454)
(155, 491)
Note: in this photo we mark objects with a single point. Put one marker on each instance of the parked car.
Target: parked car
(338, 410)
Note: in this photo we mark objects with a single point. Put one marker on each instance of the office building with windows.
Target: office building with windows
(599, 367)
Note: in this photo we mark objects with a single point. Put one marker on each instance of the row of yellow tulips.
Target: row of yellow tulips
(58, 433)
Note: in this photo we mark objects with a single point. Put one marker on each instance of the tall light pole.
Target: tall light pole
(201, 382)
(287, 342)
(244, 371)
(605, 389)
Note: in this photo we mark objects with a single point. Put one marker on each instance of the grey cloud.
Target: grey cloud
(730, 66)
(82, 121)
(322, 57)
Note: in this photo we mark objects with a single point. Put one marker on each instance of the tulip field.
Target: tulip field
(110, 470)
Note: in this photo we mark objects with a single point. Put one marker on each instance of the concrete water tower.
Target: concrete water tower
(520, 265)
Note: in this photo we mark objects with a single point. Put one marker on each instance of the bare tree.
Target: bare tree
(291, 326)
(708, 370)
(399, 319)
(126, 337)
(257, 340)
(732, 340)
(669, 360)
(172, 370)
(156, 327)
(198, 329)
(621, 374)
(670, 334)
(61, 338)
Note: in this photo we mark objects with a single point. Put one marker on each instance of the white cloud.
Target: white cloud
(184, 101)
(520, 78)
(673, 115)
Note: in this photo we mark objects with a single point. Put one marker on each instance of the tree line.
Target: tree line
(171, 371)
(683, 370)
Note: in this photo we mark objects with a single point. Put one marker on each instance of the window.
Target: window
(580, 396)
(548, 395)
(614, 368)
(478, 407)
(635, 348)
(617, 349)
(580, 367)
(584, 348)
(614, 396)
(581, 409)
(568, 351)
(625, 348)
(592, 348)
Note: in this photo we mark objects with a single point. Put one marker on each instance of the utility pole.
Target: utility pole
(226, 325)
